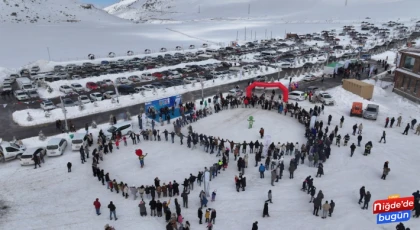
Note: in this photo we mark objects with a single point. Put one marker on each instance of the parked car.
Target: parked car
(371, 112)
(35, 69)
(47, 105)
(110, 94)
(309, 78)
(141, 89)
(7, 87)
(20, 95)
(122, 80)
(77, 87)
(325, 98)
(92, 85)
(108, 82)
(297, 95)
(189, 80)
(125, 89)
(158, 85)
(84, 99)
(150, 87)
(27, 157)
(65, 89)
(134, 78)
(236, 92)
(10, 151)
(33, 94)
(101, 84)
(126, 128)
(96, 96)
(67, 102)
(56, 146)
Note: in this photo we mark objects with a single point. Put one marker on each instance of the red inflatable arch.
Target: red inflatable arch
(265, 84)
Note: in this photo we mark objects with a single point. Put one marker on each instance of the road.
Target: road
(10, 129)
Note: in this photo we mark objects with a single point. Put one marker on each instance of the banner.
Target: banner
(161, 103)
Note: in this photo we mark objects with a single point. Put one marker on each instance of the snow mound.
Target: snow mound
(51, 11)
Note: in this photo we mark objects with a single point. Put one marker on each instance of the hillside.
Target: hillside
(49, 11)
(193, 10)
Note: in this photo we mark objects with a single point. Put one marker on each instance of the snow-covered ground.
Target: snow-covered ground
(20, 117)
(64, 200)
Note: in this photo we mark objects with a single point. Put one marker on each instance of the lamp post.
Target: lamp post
(202, 88)
(65, 115)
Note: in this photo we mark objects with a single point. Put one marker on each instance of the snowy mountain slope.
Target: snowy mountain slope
(283, 9)
(51, 11)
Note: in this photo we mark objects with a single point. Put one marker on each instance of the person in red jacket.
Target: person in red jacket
(97, 205)
(117, 143)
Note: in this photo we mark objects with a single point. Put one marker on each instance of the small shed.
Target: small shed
(363, 89)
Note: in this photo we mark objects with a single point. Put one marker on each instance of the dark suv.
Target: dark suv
(125, 89)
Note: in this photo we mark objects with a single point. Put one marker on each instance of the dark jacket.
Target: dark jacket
(111, 207)
(152, 204)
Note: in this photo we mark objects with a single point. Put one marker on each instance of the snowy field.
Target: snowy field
(64, 200)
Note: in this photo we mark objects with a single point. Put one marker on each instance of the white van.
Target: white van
(269, 53)
(126, 128)
(212, 51)
(77, 141)
(56, 147)
(297, 95)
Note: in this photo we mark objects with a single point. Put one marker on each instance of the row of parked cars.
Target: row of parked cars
(55, 146)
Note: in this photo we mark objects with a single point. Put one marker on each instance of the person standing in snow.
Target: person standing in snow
(69, 167)
(367, 199)
(265, 210)
(359, 139)
(329, 119)
(386, 122)
(261, 170)
(383, 137)
(97, 205)
(320, 171)
(360, 129)
(270, 197)
(413, 123)
(292, 168)
(341, 121)
(325, 209)
(184, 196)
(392, 122)
(332, 205)
(152, 205)
(399, 121)
(354, 129)
(255, 225)
(200, 215)
(112, 209)
(273, 176)
(142, 206)
(317, 206)
(262, 133)
(352, 148)
(406, 129)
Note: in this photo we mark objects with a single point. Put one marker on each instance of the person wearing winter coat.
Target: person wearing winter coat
(320, 171)
(383, 137)
(270, 197)
(168, 214)
(317, 206)
(273, 176)
(367, 199)
(406, 129)
(312, 191)
(133, 191)
(325, 209)
(159, 207)
(265, 210)
(385, 172)
(184, 196)
(416, 208)
(261, 170)
(352, 148)
(332, 205)
(292, 169)
(360, 129)
(417, 130)
(112, 209)
(69, 167)
(341, 121)
(362, 194)
(320, 196)
(97, 205)
(262, 133)
(142, 206)
(207, 215)
(152, 205)
(255, 225)
(213, 216)
(200, 215)
(246, 159)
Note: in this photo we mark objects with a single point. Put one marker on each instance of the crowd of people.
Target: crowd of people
(316, 150)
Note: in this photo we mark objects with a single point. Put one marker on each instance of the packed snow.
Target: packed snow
(72, 206)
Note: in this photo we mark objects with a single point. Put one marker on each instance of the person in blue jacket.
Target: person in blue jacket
(262, 170)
